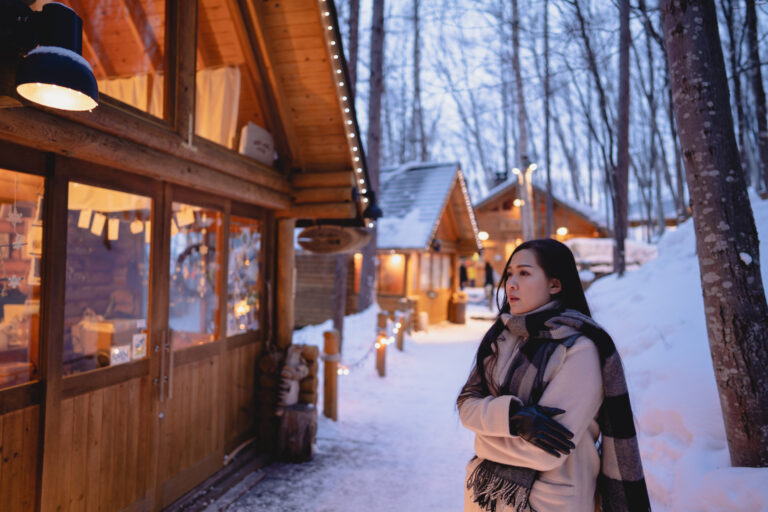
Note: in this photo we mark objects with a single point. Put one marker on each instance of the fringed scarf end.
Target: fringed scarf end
(489, 489)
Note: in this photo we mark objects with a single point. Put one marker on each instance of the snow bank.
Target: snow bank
(656, 316)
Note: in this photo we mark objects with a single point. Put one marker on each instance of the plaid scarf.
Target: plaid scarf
(620, 484)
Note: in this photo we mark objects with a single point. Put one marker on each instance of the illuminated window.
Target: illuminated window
(21, 235)
(124, 42)
(244, 275)
(446, 276)
(392, 274)
(425, 283)
(194, 293)
(107, 279)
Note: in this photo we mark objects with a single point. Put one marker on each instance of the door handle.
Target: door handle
(169, 342)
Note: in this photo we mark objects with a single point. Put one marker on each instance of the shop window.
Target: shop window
(358, 267)
(244, 275)
(107, 278)
(426, 272)
(391, 274)
(124, 42)
(228, 110)
(446, 275)
(414, 271)
(437, 269)
(194, 294)
(21, 235)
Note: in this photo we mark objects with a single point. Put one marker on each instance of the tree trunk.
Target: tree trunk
(621, 180)
(756, 77)
(549, 205)
(522, 136)
(733, 44)
(418, 113)
(354, 23)
(726, 238)
(368, 270)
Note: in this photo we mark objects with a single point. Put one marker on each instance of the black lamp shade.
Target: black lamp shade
(57, 77)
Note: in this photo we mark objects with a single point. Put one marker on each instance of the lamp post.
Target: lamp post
(526, 195)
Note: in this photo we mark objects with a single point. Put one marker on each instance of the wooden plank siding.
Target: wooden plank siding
(241, 407)
(18, 458)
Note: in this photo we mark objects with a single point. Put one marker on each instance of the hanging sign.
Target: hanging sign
(333, 239)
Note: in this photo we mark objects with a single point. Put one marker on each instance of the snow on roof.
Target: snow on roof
(594, 251)
(412, 197)
(582, 209)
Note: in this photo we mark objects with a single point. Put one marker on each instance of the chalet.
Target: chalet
(146, 234)
(428, 225)
(499, 217)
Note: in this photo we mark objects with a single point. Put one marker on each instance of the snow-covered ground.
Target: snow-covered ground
(398, 444)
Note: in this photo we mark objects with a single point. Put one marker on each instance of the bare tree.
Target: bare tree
(547, 161)
(726, 237)
(417, 124)
(621, 181)
(756, 79)
(354, 42)
(729, 14)
(368, 270)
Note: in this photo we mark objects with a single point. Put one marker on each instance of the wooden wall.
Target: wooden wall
(18, 458)
(315, 277)
(241, 406)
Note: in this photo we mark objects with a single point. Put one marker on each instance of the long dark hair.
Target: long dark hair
(558, 263)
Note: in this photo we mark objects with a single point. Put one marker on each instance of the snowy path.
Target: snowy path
(398, 444)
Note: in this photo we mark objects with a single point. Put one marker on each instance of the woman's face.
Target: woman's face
(528, 287)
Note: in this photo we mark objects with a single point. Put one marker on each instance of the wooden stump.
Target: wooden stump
(296, 433)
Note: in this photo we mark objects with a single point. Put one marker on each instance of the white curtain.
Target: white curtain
(133, 91)
(217, 104)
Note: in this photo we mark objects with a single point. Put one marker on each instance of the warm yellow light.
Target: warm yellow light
(242, 308)
(515, 171)
(396, 259)
(562, 231)
(518, 202)
(55, 96)
(483, 235)
(532, 167)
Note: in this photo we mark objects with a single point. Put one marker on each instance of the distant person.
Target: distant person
(545, 358)
(471, 274)
(462, 275)
(488, 284)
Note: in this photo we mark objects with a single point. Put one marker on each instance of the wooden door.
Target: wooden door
(193, 351)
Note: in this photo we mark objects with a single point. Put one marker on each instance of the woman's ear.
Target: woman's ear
(555, 286)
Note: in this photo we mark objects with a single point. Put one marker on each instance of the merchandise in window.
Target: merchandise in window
(244, 275)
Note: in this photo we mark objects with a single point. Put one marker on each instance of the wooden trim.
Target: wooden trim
(248, 210)
(322, 195)
(284, 282)
(21, 396)
(90, 173)
(53, 271)
(197, 353)
(182, 28)
(320, 211)
(246, 338)
(96, 379)
(223, 294)
(323, 179)
(195, 198)
(21, 159)
(51, 133)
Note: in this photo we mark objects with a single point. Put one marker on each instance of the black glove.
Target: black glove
(534, 423)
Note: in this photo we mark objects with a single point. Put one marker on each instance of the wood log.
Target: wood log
(331, 382)
(296, 433)
(323, 179)
(308, 397)
(319, 211)
(310, 353)
(285, 282)
(322, 195)
(308, 384)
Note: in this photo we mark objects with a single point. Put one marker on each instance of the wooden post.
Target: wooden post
(285, 282)
(331, 382)
(381, 345)
(399, 330)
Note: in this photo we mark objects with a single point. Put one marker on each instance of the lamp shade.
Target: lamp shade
(57, 77)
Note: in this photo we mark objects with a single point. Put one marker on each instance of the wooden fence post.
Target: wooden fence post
(399, 330)
(331, 380)
(381, 345)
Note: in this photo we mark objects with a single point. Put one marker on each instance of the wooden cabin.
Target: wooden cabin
(499, 215)
(146, 247)
(428, 225)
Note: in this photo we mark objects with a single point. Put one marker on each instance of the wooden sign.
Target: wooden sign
(333, 239)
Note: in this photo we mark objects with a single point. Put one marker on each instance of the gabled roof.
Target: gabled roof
(413, 198)
(510, 185)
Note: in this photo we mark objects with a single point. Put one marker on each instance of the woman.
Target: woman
(546, 385)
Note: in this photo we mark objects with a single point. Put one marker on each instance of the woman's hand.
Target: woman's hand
(534, 423)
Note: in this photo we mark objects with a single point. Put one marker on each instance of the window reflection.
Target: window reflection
(107, 278)
(21, 235)
(194, 292)
(244, 280)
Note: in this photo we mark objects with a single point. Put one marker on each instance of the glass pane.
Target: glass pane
(124, 42)
(194, 295)
(392, 274)
(228, 109)
(107, 280)
(244, 279)
(436, 270)
(414, 262)
(446, 272)
(426, 269)
(21, 237)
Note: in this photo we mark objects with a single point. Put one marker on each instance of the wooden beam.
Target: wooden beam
(319, 211)
(323, 179)
(142, 31)
(93, 31)
(284, 287)
(45, 132)
(322, 195)
(181, 85)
